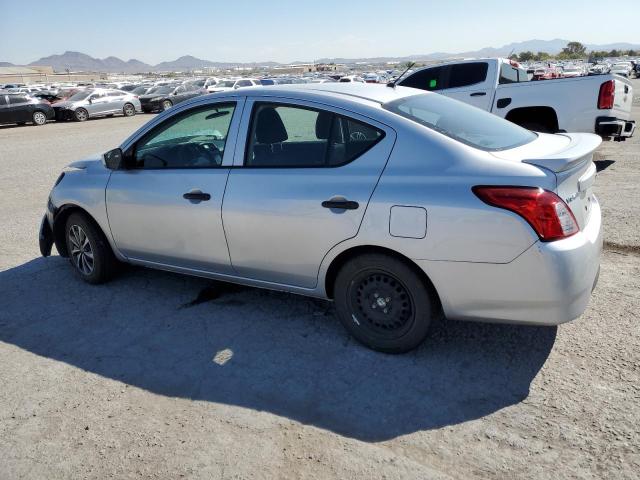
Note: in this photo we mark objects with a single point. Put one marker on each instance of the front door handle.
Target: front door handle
(340, 203)
(196, 195)
(478, 94)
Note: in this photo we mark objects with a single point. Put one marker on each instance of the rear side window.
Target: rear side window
(284, 136)
(465, 74)
(16, 100)
(464, 123)
(431, 79)
(508, 74)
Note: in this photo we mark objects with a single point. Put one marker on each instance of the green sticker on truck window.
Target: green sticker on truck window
(433, 83)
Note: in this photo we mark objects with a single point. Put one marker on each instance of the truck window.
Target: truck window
(427, 79)
(508, 74)
(465, 74)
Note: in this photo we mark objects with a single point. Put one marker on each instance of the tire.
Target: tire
(91, 259)
(81, 115)
(383, 303)
(39, 118)
(166, 105)
(128, 110)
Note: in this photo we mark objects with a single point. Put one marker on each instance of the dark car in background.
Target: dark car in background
(165, 97)
(23, 109)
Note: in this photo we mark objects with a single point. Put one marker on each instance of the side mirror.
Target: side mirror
(113, 159)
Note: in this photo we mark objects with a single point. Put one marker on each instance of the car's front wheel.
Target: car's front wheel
(167, 104)
(384, 303)
(88, 249)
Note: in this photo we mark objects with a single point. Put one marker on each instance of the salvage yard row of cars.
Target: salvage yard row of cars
(598, 104)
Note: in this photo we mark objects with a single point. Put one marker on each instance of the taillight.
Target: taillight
(546, 212)
(607, 95)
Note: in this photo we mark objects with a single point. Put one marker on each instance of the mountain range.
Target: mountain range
(76, 61)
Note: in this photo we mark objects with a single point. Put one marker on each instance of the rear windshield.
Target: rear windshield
(462, 122)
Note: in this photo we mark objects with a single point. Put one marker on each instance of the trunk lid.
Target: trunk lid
(569, 156)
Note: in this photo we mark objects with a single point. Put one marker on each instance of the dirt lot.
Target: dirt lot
(142, 378)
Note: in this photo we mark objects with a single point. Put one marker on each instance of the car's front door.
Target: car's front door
(299, 186)
(98, 103)
(165, 208)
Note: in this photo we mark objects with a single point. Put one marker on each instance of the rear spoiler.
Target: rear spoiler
(581, 146)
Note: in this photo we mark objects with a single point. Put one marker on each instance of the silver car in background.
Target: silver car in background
(397, 204)
(97, 102)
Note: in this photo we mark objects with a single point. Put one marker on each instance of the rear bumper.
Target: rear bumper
(615, 127)
(63, 114)
(548, 284)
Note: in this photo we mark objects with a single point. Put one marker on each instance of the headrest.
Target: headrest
(269, 127)
(323, 125)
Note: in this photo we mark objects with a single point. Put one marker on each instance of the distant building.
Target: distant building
(44, 74)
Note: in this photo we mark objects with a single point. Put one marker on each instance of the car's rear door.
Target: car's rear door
(18, 109)
(301, 182)
(472, 83)
(165, 209)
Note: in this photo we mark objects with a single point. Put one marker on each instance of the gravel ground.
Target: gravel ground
(163, 376)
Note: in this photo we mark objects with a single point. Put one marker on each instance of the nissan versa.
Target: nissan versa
(397, 204)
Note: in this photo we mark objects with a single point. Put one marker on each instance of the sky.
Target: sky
(286, 30)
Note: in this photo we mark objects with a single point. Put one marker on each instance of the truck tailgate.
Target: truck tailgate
(623, 98)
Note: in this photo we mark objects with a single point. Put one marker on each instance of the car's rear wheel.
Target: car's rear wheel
(167, 104)
(81, 115)
(129, 110)
(88, 249)
(39, 118)
(384, 303)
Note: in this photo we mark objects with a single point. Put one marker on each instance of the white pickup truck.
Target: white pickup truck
(595, 104)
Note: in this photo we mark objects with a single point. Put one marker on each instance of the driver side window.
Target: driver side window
(193, 139)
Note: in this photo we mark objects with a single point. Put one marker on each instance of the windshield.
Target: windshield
(462, 122)
(227, 83)
(80, 95)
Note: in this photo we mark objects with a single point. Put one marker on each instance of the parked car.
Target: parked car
(621, 68)
(351, 78)
(589, 104)
(97, 102)
(394, 203)
(21, 109)
(572, 71)
(226, 85)
(166, 96)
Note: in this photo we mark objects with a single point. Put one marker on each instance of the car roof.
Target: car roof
(363, 93)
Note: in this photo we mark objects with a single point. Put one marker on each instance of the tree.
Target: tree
(526, 56)
(573, 50)
(542, 56)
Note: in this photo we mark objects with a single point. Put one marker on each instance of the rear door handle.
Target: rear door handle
(478, 94)
(340, 203)
(196, 195)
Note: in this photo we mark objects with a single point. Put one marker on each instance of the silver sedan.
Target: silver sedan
(97, 102)
(398, 205)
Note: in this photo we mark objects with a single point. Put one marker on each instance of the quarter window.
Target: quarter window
(292, 137)
(194, 139)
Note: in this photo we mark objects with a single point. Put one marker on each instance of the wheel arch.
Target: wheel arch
(543, 115)
(352, 252)
(60, 220)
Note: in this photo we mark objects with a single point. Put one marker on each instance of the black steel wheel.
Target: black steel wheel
(384, 302)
